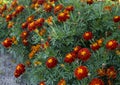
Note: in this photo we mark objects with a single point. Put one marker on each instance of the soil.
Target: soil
(7, 67)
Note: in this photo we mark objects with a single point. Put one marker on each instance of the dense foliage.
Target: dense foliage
(64, 42)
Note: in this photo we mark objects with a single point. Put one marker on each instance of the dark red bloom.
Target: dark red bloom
(69, 58)
(76, 49)
(19, 8)
(51, 62)
(62, 17)
(81, 72)
(48, 7)
(32, 26)
(90, 2)
(24, 25)
(95, 46)
(111, 72)
(41, 1)
(96, 81)
(25, 42)
(84, 54)
(39, 22)
(112, 44)
(8, 17)
(7, 42)
(88, 35)
(58, 8)
(24, 35)
(42, 83)
(20, 69)
(116, 19)
(69, 8)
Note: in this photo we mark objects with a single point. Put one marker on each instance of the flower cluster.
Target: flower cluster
(53, 34)
(109, 72)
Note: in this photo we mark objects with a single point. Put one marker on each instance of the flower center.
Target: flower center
(110, 43)
(69, 55)
(86, 34)
(80, 71)
(50, 61)
(83, 53)
(97, 84)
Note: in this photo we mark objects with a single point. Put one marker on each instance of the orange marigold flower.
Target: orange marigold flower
(101, 72)
(47, 7)
(100, 41)
(62, 82)
(31, 55)
(49, 20)
(111, 72)
(62, 17)
(107, 8)
(42, 83)
(58, 8)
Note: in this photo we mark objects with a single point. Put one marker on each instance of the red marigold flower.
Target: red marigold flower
(7, 42)
(41, 1)
(62, 17)
(88, 35)
(81, 72)
(30, 19)
(84, 54)
(76, 49)
(90, 2)
(69, 58)
(116, 19)
(112, 44)
(19, 9)
(16, 74)
(25, 42)
(51, 62)
(101, 72)
(14, 14)
(58, 8)
(48, 7)
(62, 82)
(111, 72)
(24, 25)
(95, 46)
(20, 69)
(42, 83)
(8, 17)
(69, 8)
(24, 35)
(4, 7)
(32, 26)
(96, 81)
(39, 22)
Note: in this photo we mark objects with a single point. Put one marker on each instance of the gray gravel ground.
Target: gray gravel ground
(7, 66)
